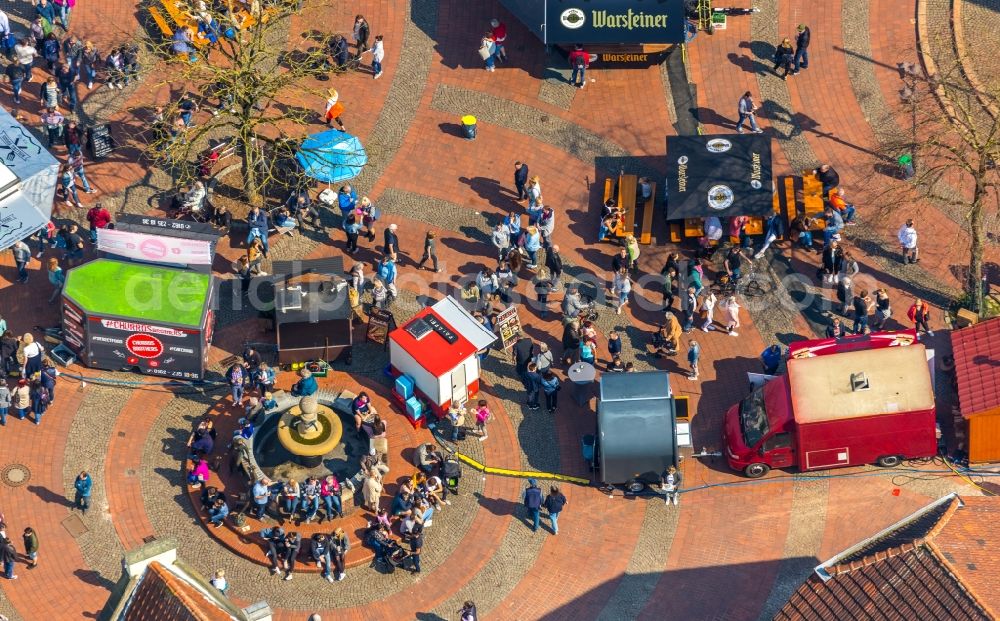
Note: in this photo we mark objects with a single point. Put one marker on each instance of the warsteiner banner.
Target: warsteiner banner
(614, 21)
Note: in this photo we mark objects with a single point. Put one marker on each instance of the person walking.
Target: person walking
(579, 61)
(378, 54)
(84, 487)
(30, 539)
(551, 387)
(416, 540)
(487, 51)
(483, 417)
(908, 243)
(533, 385)
(554, 504)
(621, 287)
(22, 256)
(784, 57)
(802, 48)
(693, 355)
(670, 481)
(391, 241)
(919, 313)
(732, 316)
(520, 179)
(430, 252)
(533, 502)
(708, 307)
(15, 75)
(219, 581)
(333, 109)
(747, 110)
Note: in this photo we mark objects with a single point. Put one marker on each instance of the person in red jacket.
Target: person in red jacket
(919, 313)
(579, 60)
(99, 218)
(499, 30)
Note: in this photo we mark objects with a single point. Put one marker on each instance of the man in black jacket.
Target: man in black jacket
(524, 350)
(520, 179)
(392, 242)
(828, 177)
(802, 48)
(554, 263)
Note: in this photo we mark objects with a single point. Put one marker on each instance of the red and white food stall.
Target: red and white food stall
(437, 349)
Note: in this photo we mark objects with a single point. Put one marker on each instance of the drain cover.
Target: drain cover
(15, 475)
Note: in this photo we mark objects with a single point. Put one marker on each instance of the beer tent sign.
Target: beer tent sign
(28, 177)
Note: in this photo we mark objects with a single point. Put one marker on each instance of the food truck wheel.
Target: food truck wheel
(756, 471)
(890, 461)
(634, 486)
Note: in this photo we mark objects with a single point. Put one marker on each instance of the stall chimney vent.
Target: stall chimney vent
(859, 381)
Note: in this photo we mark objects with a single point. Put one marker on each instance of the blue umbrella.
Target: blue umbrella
(332, 156)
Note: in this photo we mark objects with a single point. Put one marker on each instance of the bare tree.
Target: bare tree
(245, 78)
(954, 143)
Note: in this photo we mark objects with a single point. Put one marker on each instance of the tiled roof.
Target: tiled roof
(967, 541)
(905, 583)
(934, 565)
(163, 596)
(977, 366)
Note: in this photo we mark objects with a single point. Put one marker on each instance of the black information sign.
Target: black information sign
(441, 329)
(380, 324)
(100, 142)
(164, 226)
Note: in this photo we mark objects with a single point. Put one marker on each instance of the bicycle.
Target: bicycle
(747, 286)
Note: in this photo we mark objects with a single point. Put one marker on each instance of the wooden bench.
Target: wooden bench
(183, 20)
(161, 22)
(812, 200)
(694, 227)
(676, 233)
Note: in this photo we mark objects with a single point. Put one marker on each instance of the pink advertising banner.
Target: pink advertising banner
(154, 248)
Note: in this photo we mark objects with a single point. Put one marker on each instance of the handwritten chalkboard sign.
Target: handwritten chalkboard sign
(100, 142)
(380, 324)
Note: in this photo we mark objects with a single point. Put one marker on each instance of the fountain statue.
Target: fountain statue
(309, 431)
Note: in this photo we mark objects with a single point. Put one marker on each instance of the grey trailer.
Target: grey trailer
(636, 429)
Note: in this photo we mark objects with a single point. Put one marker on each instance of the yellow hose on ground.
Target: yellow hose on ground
(504, 472)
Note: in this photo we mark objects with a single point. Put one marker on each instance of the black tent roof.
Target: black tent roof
(720, 175)
(636, 425)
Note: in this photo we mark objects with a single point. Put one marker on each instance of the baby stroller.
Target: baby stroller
(451, 473)
(388, 553)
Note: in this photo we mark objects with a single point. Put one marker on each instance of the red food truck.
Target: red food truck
(843, 402)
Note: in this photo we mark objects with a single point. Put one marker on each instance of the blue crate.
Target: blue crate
(404, 387)
(414, 409)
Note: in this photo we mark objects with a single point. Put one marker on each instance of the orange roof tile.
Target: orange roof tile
(977, 366)
(163, 596)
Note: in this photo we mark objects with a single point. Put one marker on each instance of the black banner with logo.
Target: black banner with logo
(723, 176)
(614, 21)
